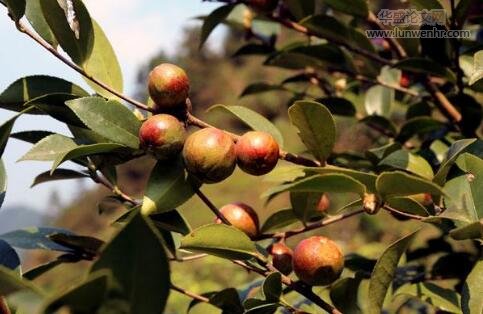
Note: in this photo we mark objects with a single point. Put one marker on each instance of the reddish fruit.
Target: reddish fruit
(168, 87)
(263, 5)
(163, 135)
(257, 153)
(209, 154)
(281, 257)
(242, 217)
(318, 261)
(404, 80)
(323, 204)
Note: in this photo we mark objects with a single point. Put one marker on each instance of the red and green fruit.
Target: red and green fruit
(257, 152)
(163, 135)
(318, 261)
(242, 217)
(209, 154)
(168, 86)
(282, 257)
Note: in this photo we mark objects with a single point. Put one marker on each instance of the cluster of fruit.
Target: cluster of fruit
(209, 154)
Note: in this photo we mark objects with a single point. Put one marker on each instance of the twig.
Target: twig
(371, 18)
(444, 105)
(190, 294)
(398, 212)
(77, 68)
(189, 258)
(103, 181)
(212, 206)
(310, 227)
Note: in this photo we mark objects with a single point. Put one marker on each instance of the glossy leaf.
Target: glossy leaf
(384, 272)
(76, 41)
(316, 127)
(410, 162)
(58, 174)
(338, 106)
(253, 119)
(220, 240)
(441, 298)
(279, 220)
(472, 294)
(357, 8)
(213, 19)
(34, 15)
(108, 118)
(35, 238)
(138, 262)
(8, 257)
(168, 187)
(49, 148)
(16, 8)
(454, 151)
(389, 184)
(425, 66)
(103, 64)
(30, 87)
(379, 100)
(418, 126)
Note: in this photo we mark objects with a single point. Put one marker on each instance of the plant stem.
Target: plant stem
(212, 206)
(77, 68)
(398, 212)
(310, 227)
(190, 294)
(103, 181)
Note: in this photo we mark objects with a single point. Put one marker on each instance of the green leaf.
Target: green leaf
(35, 238)
(272, 287)
(103, 64)
(344, 295)
(93, 289)
(31, 136)
(473, 230)
(338, 106)
(212, 20)
(425, 66)
(444, 299)
(285, 173)
(58, 174)
(410, 162)
(304, 204)
(138, 262)
(76, 41)
(168, 187)
(6, 129)
(8, 257)
(407, 205)
(368, 179)
(257, 88)
(220, 240)
(379, 100)
(300, 9)
(34, 15)
(337, 183)
(49, 148)
(426, 4)
(418, 126)
(382, 124)
(3, 182)
(279, 220)
(256, 306)
(454, 151)
(253, 49)
(108, 118)
(253, 119)
(476, 78)
(397, 183)
(10, 282)
(16, 8)
(171, 221)
(316, 127)
(472, 294)
(384, 272)
(86, 150)
(357, 8)
(54, 105)
(30, 87)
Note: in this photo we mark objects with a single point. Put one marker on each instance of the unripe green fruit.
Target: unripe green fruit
(282, 257)
(263, 5)
(163, 135)
(168, 86)
(323, 204)
(318, 261)
(209, 154)
(257, 153)
(242, 217)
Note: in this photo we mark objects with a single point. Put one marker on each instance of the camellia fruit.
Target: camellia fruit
(168, 87)
(282, 257)
(324, 203)
(257, 152)
(209, 154)
(242, 217)
(318, 261)
(163, 135)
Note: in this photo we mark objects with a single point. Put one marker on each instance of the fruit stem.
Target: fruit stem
(77, 68)
(190, 294)
(212, 206)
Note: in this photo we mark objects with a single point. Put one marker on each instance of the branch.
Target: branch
(371, 18)
(212, 206)
(190, 294)
(444, 105)
(103, 181)
(21, 27)
(310, 227)
(398, 212)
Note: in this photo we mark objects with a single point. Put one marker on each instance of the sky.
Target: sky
(137, 31)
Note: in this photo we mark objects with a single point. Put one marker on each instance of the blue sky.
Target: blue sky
(137, 30)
